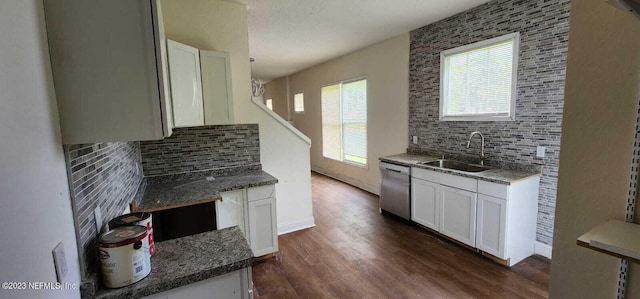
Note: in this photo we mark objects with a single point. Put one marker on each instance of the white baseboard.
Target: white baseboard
(296, 226)
(542, 249)
(358, 184)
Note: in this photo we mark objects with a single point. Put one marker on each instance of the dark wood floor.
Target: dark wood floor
(354, 252)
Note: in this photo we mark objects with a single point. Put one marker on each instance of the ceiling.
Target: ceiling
(286, 36)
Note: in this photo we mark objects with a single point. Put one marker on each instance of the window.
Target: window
(269, 103)
(298, 102)
(344, 121)
(478, 81)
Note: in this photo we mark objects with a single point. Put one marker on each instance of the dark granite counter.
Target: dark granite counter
(494, 175)
(183, 190)
(190, 259)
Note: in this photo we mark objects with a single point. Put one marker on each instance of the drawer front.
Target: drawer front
(446, 179)
(261, 192)
(493, 189)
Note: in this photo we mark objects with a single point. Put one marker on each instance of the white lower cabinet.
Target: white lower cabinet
(263, 227)
(254, 211)
(234, 285)
(492, 230)
(230, 211)
(263, 232)
(424, 203)
(458, 214)
(498, 219)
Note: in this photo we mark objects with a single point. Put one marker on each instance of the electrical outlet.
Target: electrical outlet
(415, 139)
(60, 262)
(540, 151)
(98, 215)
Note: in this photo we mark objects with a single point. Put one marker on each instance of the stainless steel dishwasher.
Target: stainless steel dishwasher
(395, 189)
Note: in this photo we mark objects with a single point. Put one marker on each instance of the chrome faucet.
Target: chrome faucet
(482, 156)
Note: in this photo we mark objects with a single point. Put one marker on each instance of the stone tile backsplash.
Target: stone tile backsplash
(112, 174)
(543, 27)
(102, 174)
(202, 149)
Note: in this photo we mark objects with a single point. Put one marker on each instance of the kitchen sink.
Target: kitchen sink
(456, 165)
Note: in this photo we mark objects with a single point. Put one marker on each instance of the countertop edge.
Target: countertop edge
(242, 258)
(185, 280)
(271, 180)
(478, 176)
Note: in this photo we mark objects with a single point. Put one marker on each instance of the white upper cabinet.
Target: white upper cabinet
(216, 87)
(186, 85)
(108, 69)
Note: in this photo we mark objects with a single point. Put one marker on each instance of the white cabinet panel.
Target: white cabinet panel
(108, 70)
(491, 226)
(234, 285)
(186, 85)
(263, 231)
(425, 203)
(261, 192)
(216, 87)
(446, 179)
(458, 214)
(230, 211)
(493, 189)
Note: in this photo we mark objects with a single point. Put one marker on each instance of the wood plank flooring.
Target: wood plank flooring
(355, 252)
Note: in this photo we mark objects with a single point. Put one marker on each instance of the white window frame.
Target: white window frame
(294, 102)
(359, 165)
(515, 38)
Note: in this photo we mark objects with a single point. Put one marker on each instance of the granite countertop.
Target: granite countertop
(494, 175)
(190, 259)
(176, 191)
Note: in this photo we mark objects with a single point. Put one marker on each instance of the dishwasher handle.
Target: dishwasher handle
(395, 168)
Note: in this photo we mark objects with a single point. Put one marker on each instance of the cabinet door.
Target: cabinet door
(492, 220)
(186, 85)
(107, 75)
(216, 87)
(229, 211)
(263, 232)
(163, 72)
(458, 214)
(425, 203)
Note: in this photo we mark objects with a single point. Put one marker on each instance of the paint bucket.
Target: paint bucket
(137, 218)
(124, 256)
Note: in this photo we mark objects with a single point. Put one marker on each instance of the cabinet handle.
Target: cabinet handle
(394, 170)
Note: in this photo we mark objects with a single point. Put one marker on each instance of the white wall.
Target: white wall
(222, 26)
(386, 66)
(35, 213)
(277, 91)
(599, 121)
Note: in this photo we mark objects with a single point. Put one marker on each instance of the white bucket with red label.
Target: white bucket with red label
(124, 256)
(137, 218)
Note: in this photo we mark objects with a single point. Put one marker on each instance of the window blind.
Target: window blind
(298, 102)
(354, 121)
(344, 121)
(477, 80)
(331, 122)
